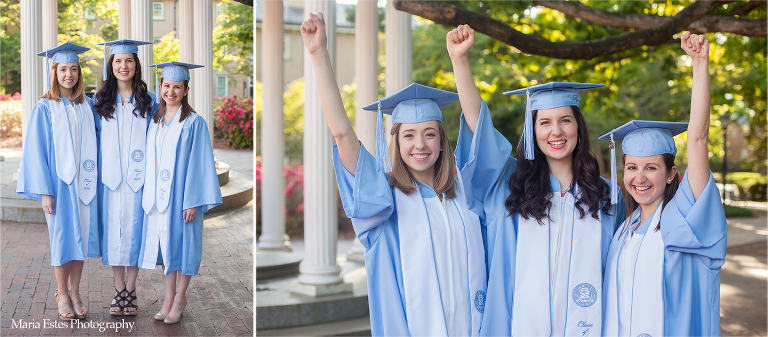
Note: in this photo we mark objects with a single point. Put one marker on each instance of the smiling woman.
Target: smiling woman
(546, 210)
(417, 153)
(421, 241)
(59, 169)
(124, 106)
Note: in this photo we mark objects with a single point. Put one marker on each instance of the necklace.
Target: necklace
(565, 190)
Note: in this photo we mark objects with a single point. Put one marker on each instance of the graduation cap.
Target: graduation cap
(174, 71)
(642, 139)
(63, 53)
(120, 47)
(547, 96)
(415, 103)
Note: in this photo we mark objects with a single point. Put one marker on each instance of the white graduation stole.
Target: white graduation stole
(647, 308)
(158, 186)
(419, 274)
(112, 156)
(531, 307)
(66, 167)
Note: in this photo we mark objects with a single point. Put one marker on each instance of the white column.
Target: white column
(184, 34)
(50, 23)
(399, 71)
(124, 21)
(272, 182)
(366, 75)
(319, 272)
(203, 55)
(141, 30)
(33, 72)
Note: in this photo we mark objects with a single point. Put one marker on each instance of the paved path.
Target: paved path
(220, 297)
(743, 278)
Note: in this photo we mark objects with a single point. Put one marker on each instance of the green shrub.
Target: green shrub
(750, 184)
(737, 212)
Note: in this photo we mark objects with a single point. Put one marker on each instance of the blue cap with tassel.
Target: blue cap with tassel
(415, 103)
(120, 47)
(547, 96)
(642, 139)
(63, 53)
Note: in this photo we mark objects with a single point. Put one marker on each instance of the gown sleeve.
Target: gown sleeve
(35, 173)
(484, 162)
(201, 187)
(367, 197)
(696, 226)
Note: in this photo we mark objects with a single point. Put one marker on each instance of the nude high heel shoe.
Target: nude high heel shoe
(175, 319)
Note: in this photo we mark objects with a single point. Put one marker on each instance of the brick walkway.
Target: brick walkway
(220, 297)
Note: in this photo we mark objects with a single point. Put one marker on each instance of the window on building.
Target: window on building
(158, 11)
(286, 47)
(248, 84)
(221, 85)
(88, 15)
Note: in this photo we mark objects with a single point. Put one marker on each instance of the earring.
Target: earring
(669, 181)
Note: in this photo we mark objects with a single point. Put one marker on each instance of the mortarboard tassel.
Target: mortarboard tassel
(104, 78)
(47, 72)
(614, 183)
(382, 155)
(157, 88)
(528, 127)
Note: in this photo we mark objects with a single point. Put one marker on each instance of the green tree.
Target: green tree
(72, 25)
(167, 49)
(647, 82)
(233, 39)
(10, 46)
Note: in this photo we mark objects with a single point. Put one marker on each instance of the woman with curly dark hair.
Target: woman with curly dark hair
(546, 212)
(124, 106)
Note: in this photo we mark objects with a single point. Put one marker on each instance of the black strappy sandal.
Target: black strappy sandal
(129, 299)
(118, 298)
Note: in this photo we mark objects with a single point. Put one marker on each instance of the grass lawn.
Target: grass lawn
(736, 212)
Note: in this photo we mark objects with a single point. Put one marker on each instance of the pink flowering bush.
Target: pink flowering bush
(10, 115)
(294, 202)
(235, 120)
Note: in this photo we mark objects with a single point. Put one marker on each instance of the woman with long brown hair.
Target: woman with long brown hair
(546, 211)
(59, 168)
(423, 247)
(663, 272)
(125, 108)
(180, 186)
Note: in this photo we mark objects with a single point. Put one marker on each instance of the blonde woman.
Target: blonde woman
(59, 169)
(423, 247)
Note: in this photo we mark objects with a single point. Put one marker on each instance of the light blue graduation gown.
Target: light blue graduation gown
(37, 176)
(195, 184)
(411, 303)
(132, 230)
(695, 241)
(485, 164)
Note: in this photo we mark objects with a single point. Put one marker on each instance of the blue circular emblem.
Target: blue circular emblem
(89, 165)
(584, 295)
(644, 335)
(165, 175)
(480, 301)
(137, 155)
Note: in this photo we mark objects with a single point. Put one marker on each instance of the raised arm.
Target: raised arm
(697, 47)
(313, 34)
(459, 41)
